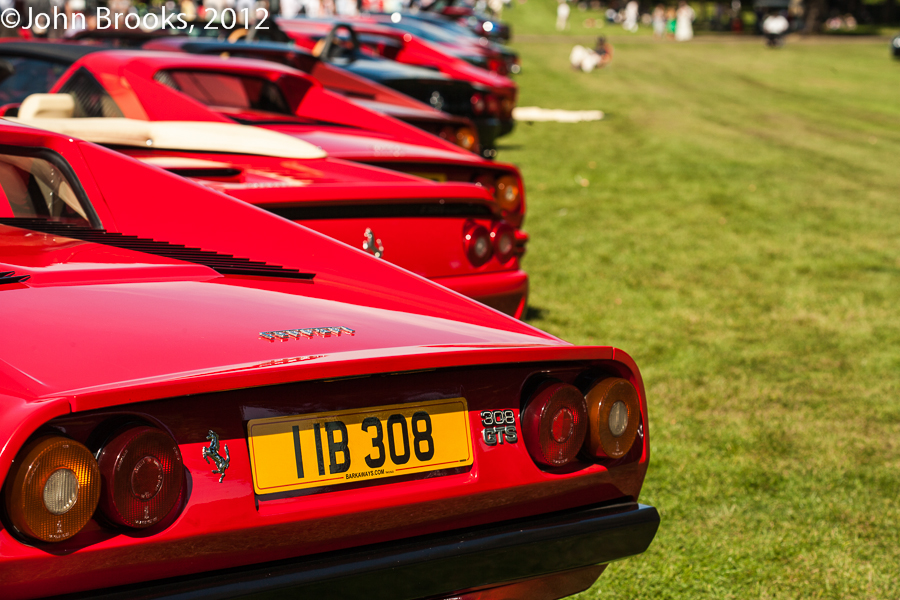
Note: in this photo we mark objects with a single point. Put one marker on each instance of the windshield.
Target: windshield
(21, 77)
(36, 188)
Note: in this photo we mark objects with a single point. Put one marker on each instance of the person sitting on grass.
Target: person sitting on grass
(587, 60)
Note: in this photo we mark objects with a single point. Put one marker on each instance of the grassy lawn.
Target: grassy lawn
(734, 224)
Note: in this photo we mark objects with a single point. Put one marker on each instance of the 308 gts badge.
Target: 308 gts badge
(499, 427)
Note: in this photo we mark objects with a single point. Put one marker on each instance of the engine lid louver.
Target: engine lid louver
(225, 264)
(11, 277)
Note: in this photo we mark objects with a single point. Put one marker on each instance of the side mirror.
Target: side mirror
(47, 106)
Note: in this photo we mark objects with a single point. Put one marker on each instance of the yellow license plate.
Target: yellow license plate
(307, 451)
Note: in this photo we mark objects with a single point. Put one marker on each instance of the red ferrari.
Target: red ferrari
(229, 404)
(168, 87)
(319, 35)
(458, 130)
(452, 233)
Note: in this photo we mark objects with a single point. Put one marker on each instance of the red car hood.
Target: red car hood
(126, 320)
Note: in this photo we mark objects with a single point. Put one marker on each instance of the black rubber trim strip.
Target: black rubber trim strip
(427, 566)
(376, 211)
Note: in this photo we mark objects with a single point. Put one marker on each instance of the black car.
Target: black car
(342, 47)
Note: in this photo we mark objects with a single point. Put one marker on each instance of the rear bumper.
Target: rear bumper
(506, 291)
(435, 565)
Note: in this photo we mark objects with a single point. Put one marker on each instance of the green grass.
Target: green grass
(734, 224)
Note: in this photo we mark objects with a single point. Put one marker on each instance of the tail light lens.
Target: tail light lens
(465, 138)
(447, 133)
(504, 238)
(508, 193)
(52, 490)
(477, 243)
(614, 412)
(485, 180)
(506, 108)
(143, 475)
(492, 105)
(478, 105)
(554, 424)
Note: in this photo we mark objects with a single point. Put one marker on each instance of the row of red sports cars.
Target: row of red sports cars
(253, 334)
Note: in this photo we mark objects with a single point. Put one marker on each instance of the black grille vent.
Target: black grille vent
(222, 263)
(379, 211)
(11, 277)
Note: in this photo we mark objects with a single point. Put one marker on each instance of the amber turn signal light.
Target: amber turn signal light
(52, 489)
(465, 138)
(508, 193)
(614, 412)
(554, 424)
(142, 474)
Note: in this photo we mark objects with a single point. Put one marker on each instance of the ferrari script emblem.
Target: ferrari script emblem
(213, 453)
(307, 333)
(371, 245)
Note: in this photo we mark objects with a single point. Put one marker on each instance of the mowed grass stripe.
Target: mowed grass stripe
(734, 224)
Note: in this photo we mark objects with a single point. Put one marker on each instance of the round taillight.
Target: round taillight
(504, 238)
(448, 133)
(465, 138)
(614, 413)
(477, 103)
(143, 475)
(508, 193)
(52, 490)
(506, 108)
(492, 105)
(554, 424)
(477, 243)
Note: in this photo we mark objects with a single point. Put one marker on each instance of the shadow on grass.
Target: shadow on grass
(533, 313)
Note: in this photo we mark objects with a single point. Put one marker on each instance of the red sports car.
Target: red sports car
(263, 410)
(180, 87)
(452, 233)
(500, 92)
(458, 130)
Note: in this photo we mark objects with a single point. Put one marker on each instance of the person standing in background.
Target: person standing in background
(659, 21)
(630, 23)
(774, 27)
(562, 15)
(670, 22)
(684, 22)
